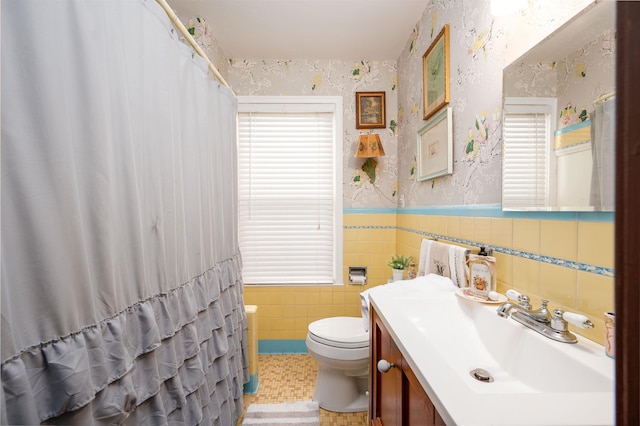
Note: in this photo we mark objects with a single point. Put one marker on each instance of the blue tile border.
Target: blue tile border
(289, 346)
(572, 127)
(488, 210)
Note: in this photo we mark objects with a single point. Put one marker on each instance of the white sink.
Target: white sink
(537, 381)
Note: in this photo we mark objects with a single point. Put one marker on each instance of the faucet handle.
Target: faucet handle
(560, 319)
(522, 300)
(513, 295)
(577, 319)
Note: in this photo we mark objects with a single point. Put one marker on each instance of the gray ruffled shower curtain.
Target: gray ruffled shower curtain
(121, 285)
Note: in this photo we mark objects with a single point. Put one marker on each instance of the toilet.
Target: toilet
(340, 345)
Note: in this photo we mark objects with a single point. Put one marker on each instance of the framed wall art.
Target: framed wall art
(435, 74)
(435, 146)
(370, 110)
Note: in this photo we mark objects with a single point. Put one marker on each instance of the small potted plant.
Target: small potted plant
(399, 263)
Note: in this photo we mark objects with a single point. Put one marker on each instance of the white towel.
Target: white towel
(456, 268)
(429, 283)
(364, 307)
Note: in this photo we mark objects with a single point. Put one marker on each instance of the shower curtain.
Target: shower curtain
(603, 152)
(121, 286)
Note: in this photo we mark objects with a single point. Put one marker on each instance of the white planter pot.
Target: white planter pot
(398, 274)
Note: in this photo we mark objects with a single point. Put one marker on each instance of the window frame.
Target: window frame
(534, 105)
(325, 103)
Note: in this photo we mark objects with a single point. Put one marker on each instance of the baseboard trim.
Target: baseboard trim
(251, 387)
(282, 346)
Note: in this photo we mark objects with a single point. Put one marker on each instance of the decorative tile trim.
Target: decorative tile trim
(495, 211)
(585, 267)
(369, 227)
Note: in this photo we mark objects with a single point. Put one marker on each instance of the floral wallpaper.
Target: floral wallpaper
(575, 80)
(336, 78)
(480, 46)
(198, 27)
(583, 76)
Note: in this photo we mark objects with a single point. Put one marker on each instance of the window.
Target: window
(290, 189)
(528, 166)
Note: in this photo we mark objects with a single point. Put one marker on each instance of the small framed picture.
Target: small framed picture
(370, 110)
(435, 146)
(435, 74)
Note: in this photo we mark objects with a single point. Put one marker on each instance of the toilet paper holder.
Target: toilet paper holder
(358, 275)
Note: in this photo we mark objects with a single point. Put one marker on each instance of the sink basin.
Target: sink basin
(514, 355)
(536, 381)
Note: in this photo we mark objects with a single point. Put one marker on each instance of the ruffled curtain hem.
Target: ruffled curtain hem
(177, 357)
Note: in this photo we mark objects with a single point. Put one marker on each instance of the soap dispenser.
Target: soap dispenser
(482, 273)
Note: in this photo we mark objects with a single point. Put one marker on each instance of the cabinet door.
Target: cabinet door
(396, 398)
(385, 388)
(416, 405)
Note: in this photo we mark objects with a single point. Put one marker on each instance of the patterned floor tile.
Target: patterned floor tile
(287, 378)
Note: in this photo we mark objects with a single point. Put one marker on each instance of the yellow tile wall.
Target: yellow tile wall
(252, 338)
(285, 312)
(371, 239)
(565, 288)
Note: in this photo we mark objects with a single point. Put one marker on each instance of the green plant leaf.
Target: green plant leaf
(400, 261)
(369, 167)
(469, 147)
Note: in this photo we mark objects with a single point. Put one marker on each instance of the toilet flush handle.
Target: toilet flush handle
(384, 365)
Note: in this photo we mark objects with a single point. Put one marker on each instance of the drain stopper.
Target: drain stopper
(481, 375)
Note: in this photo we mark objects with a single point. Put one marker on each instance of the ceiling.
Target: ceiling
(307, 29)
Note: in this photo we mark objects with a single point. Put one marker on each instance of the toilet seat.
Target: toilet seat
(340, 332)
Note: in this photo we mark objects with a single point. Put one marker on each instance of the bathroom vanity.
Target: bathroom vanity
(397, 398)
(452, 361)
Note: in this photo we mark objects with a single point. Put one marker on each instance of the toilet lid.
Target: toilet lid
(344, 332)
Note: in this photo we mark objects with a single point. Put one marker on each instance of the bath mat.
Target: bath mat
(305, 413)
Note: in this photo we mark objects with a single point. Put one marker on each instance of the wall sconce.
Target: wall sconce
(369, 146)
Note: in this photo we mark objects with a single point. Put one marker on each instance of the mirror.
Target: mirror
(559, 118)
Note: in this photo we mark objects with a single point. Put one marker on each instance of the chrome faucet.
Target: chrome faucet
(553, 327)
(524, 307)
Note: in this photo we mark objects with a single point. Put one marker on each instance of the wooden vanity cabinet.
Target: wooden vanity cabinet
(396, 398)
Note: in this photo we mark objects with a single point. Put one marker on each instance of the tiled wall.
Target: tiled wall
(566, 258)
(285, 312)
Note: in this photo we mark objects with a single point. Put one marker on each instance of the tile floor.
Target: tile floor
(287, 378)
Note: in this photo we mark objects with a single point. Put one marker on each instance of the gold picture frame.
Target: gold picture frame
(370, 110)
(436, 74)
(435, 146)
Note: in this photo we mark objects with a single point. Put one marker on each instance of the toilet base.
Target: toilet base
(340, 393)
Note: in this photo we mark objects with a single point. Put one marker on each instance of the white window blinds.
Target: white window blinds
(526, 162)
(286, 195)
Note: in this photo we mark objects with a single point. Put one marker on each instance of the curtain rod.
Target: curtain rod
(183, 30)
(603, 98)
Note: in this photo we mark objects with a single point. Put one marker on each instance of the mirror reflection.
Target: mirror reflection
(559, 118)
